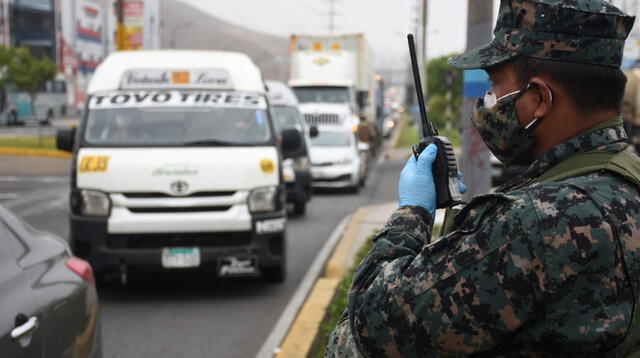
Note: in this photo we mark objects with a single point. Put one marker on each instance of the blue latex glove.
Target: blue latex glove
(416, 186)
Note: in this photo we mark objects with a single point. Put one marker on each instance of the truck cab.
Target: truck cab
(177, 166)
(333, 78)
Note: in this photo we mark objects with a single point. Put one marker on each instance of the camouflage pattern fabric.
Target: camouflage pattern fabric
(545, 270)
(500, 129)
(584, 31)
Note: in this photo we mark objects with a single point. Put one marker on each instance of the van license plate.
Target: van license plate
(180, 257)
(233, 266)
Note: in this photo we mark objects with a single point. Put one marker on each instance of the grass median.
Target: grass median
(339, 302)
(48, 143)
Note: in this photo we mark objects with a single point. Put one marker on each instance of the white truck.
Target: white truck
(177, 166)
(333, 77)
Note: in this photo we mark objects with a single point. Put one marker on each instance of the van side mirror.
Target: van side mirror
(291, 140)
(65, 139)
(313, 131)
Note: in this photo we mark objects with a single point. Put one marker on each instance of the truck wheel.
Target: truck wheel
(300, 207)
(275, 274)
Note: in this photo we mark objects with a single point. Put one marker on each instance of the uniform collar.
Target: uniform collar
(608, 136)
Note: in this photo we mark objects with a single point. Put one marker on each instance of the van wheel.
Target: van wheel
(300, 207)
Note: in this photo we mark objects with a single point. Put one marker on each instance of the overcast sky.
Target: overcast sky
(385, 23)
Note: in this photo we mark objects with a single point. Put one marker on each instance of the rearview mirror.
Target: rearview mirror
(313, 131)
(291, 140)
(65, 139)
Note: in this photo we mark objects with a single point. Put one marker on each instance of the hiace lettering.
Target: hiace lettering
(175, 98)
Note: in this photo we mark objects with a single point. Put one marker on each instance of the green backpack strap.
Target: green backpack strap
(623, 163)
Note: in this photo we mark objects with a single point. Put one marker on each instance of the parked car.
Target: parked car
(338, 160)
(48, 300)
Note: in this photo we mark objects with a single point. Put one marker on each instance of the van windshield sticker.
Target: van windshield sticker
(124, 99)
(157, 79)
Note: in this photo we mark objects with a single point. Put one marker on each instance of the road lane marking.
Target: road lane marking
(272, 343)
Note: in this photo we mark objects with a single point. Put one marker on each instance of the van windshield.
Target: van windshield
(287, 118)
(176, 123)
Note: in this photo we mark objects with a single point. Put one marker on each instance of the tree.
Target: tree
(444, 92)
(29, 73)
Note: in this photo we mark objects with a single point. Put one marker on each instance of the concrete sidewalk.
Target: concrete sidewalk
(22, 165)
(305, 330)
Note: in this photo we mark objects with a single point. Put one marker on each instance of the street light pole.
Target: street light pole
(175, 31)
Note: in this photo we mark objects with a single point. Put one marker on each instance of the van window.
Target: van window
(152, 124)
(287, 118)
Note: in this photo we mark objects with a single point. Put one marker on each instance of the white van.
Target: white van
(177, 166)
(296, 163)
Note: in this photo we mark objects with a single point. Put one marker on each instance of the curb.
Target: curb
(35, 152)
(305, 330)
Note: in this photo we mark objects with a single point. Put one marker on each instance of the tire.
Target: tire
(355, 189)
(274, 274)
(47, 120)
(300, 207)
(12, 120)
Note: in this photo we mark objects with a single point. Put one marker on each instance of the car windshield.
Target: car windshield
(331, 139)
(287, 118)
(177, 124)
(322, 94)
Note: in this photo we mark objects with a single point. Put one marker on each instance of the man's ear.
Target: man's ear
(543, 99)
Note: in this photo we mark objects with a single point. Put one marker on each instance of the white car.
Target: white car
(337, 159)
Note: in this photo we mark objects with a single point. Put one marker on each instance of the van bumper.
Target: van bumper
(106, 252)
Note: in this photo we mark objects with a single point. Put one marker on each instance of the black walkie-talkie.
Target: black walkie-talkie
(445, 168)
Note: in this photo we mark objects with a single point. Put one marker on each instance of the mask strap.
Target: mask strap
(507, 95)
(536, 121)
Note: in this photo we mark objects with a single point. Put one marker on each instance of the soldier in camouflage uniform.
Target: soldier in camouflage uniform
(548, 265)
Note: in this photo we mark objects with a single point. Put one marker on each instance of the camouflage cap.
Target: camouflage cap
(584, 31)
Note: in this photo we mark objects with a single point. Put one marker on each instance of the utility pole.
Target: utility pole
(476, 160)
(120, 34)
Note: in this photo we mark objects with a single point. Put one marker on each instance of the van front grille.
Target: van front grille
(201, 194)
(191, 209)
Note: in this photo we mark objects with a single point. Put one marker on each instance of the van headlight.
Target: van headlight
(301, 164)
(345, 161)
(95, 203)
(263, 200)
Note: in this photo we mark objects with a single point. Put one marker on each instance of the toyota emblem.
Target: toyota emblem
(179, 187)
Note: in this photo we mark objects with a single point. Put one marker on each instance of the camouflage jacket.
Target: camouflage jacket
(536, 272)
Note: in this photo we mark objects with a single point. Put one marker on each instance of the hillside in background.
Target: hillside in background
(206, 32)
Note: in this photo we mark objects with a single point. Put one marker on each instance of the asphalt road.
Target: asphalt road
(198, 316)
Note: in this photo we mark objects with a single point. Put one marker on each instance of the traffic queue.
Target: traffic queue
(183, 161)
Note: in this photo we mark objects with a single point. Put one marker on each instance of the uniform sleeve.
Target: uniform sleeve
(463, 294)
